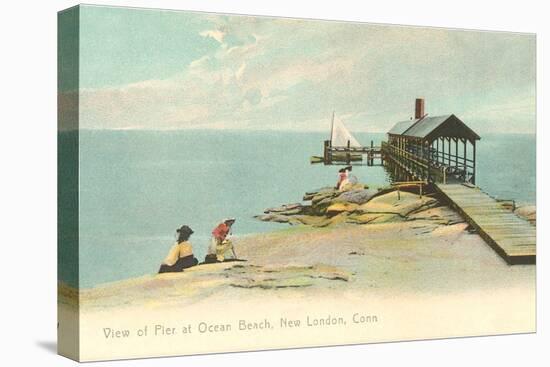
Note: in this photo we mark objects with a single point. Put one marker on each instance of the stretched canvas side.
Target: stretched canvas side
(68, 313)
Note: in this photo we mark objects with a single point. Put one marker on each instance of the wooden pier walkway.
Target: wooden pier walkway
(513, 238)
(348, 154)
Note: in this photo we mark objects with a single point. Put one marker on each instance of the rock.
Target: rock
(329, 272)
(320, 202)
(428, 204)
(284, 276)
(325, 202)
(353, 186)
(356, 196)
(293, 212)
(373, 218)
(319, 210)
(338, 208)
(310, 220)
(322, 189)
(294, 282)
(357, 204)
(319, 197)
(332, 221)
(528, 212)
(285, 208)
(289, 210)
(363, 218)
(390, 203)
(438, 215)
(454, 229)
(320, 220)
(278, 218)
(310, 194)
(387, 218)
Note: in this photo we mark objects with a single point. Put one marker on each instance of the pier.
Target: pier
(440, 151)
(343, 148)
(334, 155)
(513, 238)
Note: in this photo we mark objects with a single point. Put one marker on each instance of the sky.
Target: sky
(152, 69)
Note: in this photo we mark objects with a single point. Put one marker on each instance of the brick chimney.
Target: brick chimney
(419, 108)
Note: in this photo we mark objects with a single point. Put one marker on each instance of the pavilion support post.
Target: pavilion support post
(449, 153)
(421, 168)
(410, 148)
(443, 154)
(420, 153)
(443, 151)
(474, 165)
(437, 150)
(456, 152)
(428, 161)
(425, 159)
(464, 162)
(405, 161)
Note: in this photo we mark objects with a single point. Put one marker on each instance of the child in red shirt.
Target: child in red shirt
(217, 247)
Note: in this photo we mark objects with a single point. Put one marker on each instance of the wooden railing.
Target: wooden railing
(400, 184)
(419, 166)
(406, 154)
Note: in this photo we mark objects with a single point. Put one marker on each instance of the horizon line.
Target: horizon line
(257, 130)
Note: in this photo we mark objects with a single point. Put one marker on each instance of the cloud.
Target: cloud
(239, 73)
(216, 34)
(283, 73)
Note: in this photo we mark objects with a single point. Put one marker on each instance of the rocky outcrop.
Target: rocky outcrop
(340, 207)
(246, 276)
(311, 194)
(359, 218)
(201, 281)
(360, 196)
(287, 209)
(272, 217)
(402, 204)
(356, 204)
(528, 212)
(437, 215)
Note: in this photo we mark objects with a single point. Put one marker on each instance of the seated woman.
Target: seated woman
(345, 179)
(221, 248)
(342, 179)
(180, 255)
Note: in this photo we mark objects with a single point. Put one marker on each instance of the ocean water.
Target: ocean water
(137, 187)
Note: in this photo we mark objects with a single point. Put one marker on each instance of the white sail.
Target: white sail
(340, 134)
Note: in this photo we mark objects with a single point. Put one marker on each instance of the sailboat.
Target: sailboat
(339, 138)
(340, 135)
